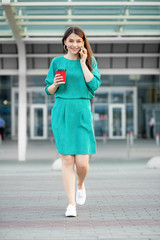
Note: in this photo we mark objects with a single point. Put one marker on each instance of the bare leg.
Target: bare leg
(82, 167)
(68, 176)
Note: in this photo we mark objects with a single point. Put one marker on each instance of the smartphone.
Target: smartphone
(81, 51)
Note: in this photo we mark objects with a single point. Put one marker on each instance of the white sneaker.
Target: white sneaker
(71, 211)
(81, 196)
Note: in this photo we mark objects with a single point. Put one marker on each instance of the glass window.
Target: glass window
(38, 122)
(38, 97)
(129, 119)
(33, 81)
(117, 122)
(117, 97)
(129, 96)
(157, 120)
(101, 120)
(28, 97)
(16, 97)
(101, 97)
(49, 121)
(28, 122)
(50, 98)
(16, 120)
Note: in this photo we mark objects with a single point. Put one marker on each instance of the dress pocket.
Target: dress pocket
(86, 119)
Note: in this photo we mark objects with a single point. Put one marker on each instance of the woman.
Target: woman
(71, 115)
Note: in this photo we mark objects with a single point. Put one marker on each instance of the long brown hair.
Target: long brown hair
(80, 33)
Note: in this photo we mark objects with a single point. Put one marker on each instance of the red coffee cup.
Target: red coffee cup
(62, 72)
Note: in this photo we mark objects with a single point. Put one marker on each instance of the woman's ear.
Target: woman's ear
(65, 47)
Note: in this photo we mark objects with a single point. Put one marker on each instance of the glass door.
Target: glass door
(38, 121)
(117, 121)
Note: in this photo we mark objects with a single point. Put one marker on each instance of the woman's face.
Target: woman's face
(73, 43)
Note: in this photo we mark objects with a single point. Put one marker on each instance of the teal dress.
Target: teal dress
(71, 116)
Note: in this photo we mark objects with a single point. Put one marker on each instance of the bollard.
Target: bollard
(104, 137)
(128, 147)
(0, 139)
(157, 138)
(131, 137)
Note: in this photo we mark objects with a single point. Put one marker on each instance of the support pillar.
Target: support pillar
(22, 107)
(22, 110)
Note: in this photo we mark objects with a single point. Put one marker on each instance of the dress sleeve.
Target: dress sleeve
(94, 84)
(50, 77)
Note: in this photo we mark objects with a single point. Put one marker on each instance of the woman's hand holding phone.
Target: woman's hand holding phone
(87, 73)
(84, 56)
(83, 53)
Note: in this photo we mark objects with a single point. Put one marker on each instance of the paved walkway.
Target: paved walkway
(123, 197)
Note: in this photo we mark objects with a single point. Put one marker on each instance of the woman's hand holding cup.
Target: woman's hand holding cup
(60, 77)
(58, 80)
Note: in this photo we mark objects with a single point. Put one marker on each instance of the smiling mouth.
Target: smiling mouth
(75, 49)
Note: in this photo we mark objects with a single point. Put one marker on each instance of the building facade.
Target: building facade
(125, 38)
(129, 93)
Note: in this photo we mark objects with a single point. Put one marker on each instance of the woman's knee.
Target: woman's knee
(67, 160)
(82, 164)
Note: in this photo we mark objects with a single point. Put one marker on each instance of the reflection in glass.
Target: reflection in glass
(51, 98)
(49, 121)
(38, 97)
(157, 120)
(28, 121)
(16, 97)
(101, 97)
(16, 121)
(28, 97)
(129, 119)
(129, 96)
(38, 122)
(101, 120)
(117, 121)
(117, 97)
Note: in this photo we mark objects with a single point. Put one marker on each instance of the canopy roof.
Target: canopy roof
(23, 19)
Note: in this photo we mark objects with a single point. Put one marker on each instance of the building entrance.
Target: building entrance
(38, 113)
(115, 112)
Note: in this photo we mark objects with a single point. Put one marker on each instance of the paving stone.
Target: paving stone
(123, 201)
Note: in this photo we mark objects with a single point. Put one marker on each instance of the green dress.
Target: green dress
(71, 117)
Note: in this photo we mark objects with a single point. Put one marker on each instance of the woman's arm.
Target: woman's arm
(92, 78)
(87, 73)
(52, 89)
